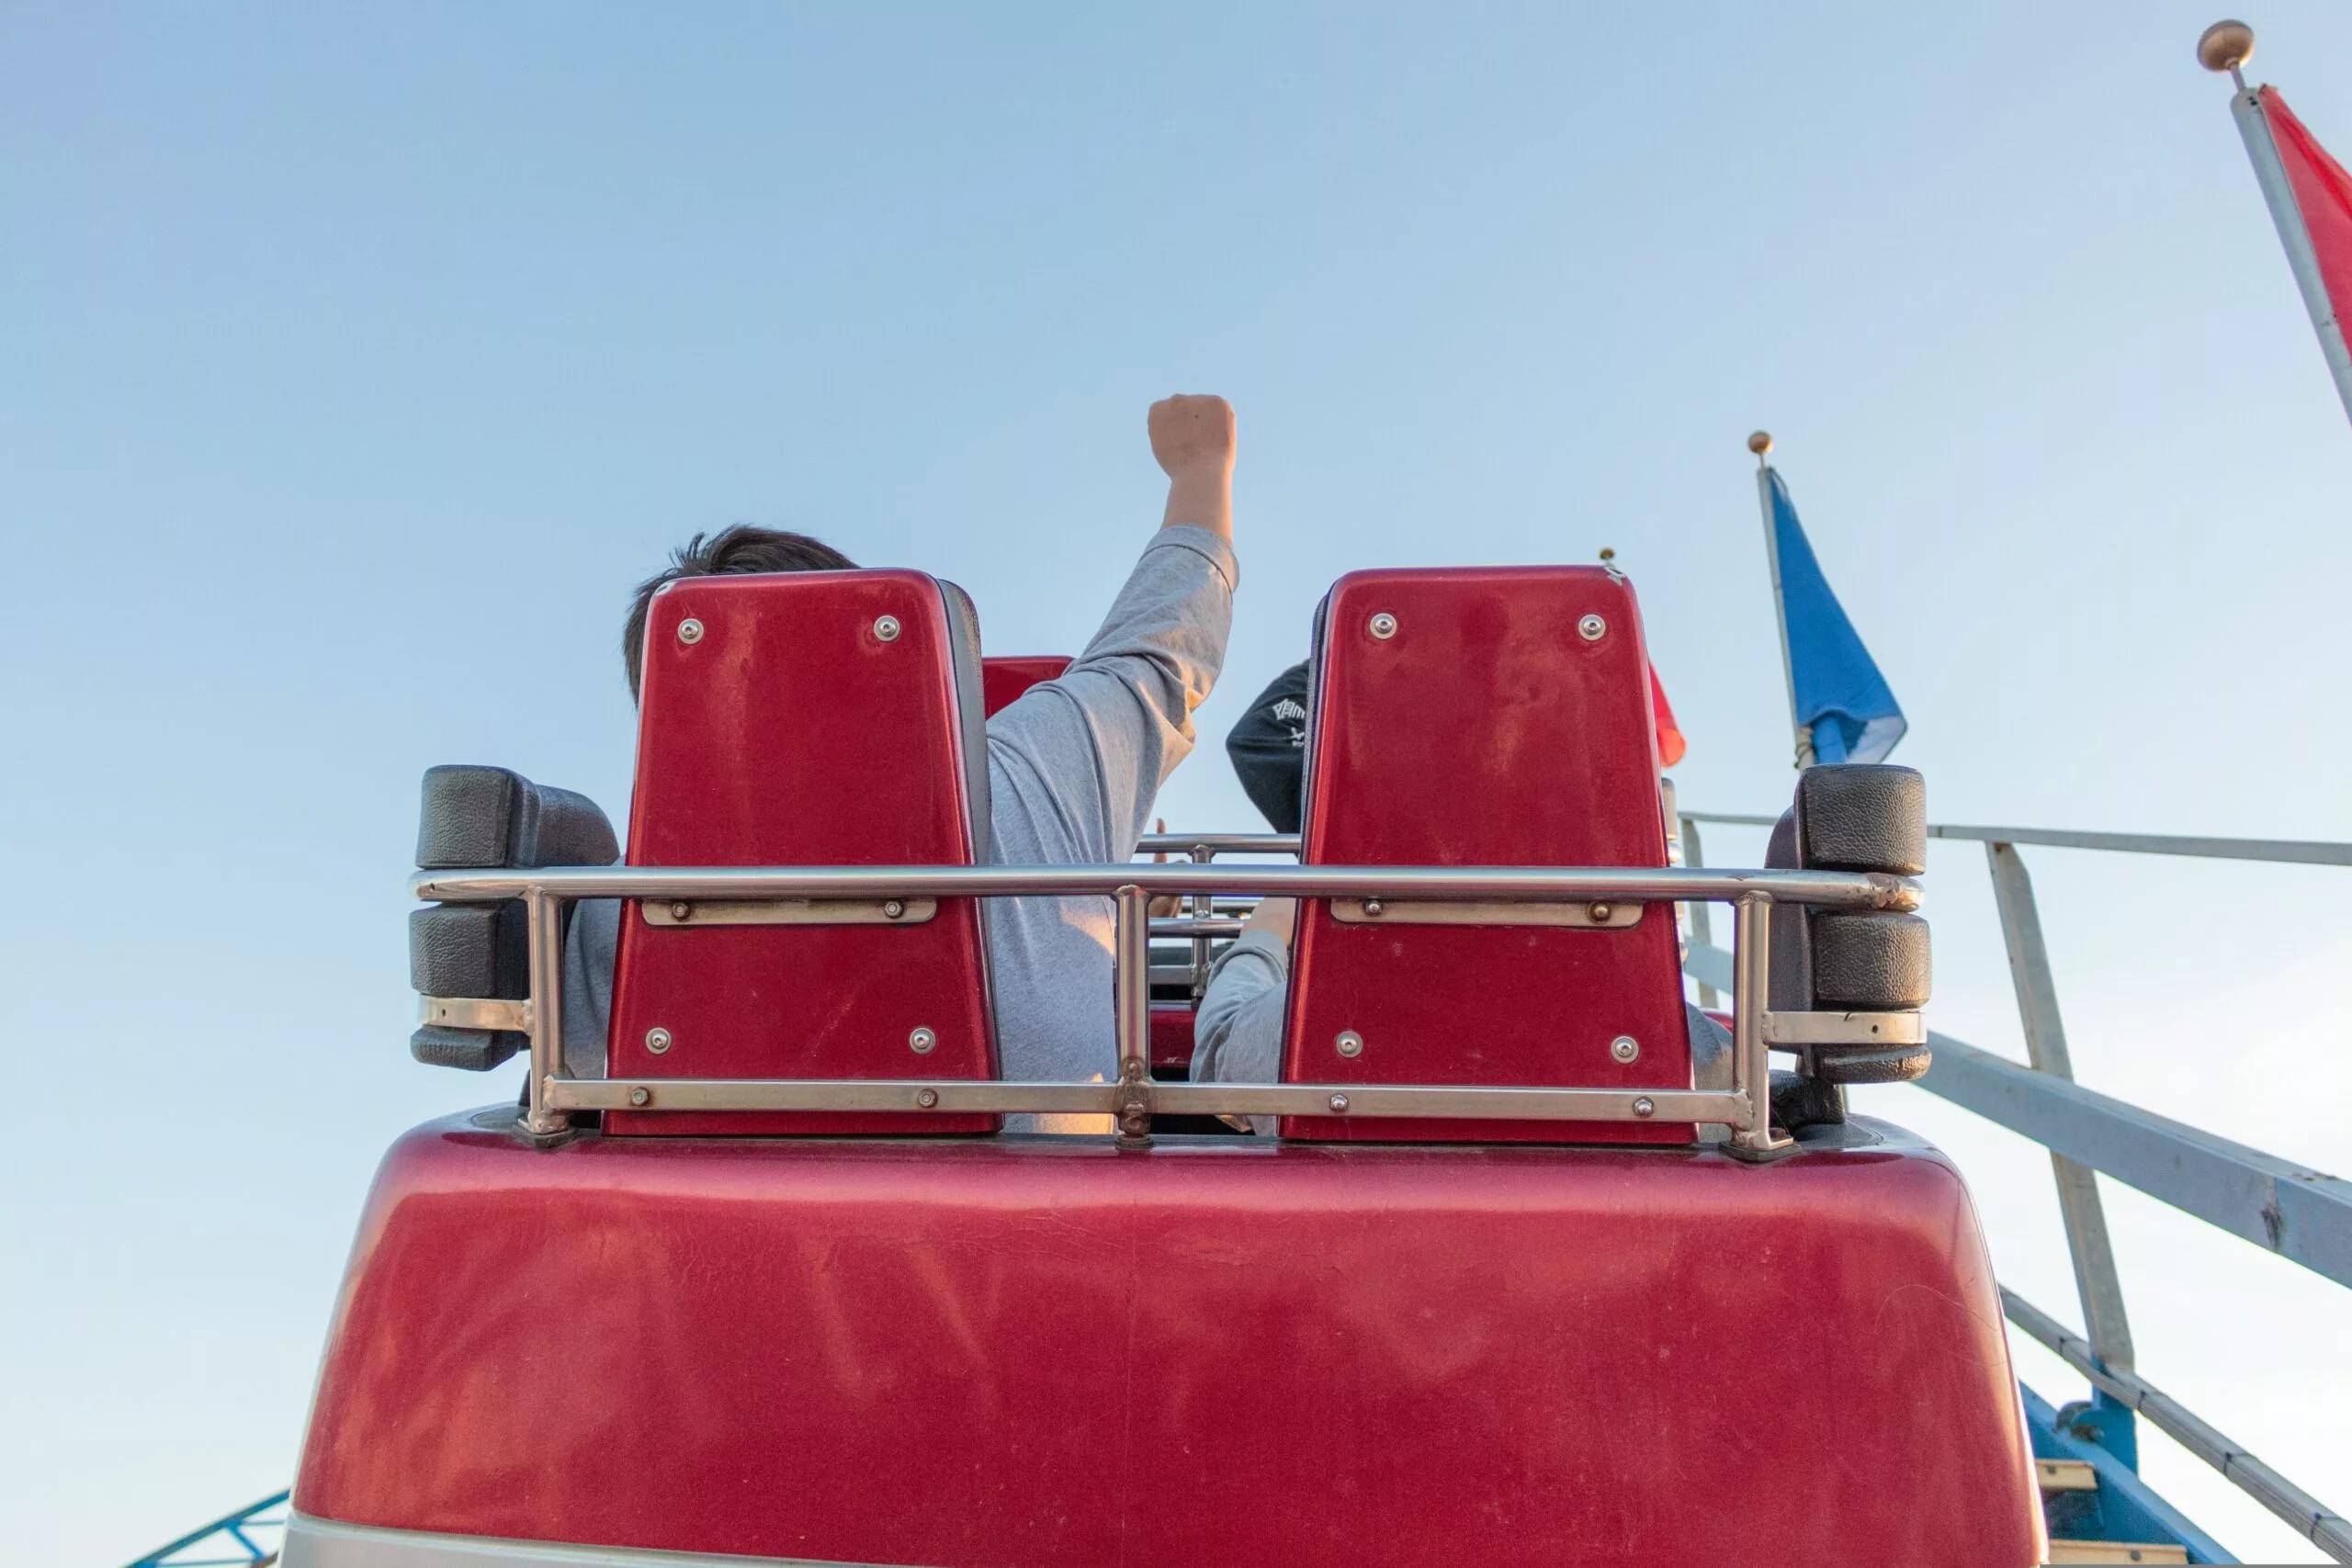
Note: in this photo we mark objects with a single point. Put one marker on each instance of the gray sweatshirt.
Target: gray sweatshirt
(1074, 764)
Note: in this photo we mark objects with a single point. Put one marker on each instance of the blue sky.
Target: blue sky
(360, 360)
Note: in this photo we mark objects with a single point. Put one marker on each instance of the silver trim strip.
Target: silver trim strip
(329, 1543)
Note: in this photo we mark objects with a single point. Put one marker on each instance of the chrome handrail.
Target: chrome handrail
(1131, 1097)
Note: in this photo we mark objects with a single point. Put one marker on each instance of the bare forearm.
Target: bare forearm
(1204, 499)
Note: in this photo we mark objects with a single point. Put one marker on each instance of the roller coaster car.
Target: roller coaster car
(1518, 1282)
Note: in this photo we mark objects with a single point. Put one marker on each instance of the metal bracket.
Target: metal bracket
(474, 1013)
(789, 911)
(1845, 1029)
(1598, 915)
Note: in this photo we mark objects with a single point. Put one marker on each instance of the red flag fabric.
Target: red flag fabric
(1669, 739)
(2322, 195)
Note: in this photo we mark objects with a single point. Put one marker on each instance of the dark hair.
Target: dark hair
(742, 548)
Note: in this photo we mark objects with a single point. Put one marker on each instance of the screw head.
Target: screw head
(1339, 1102)
(1597, 913)
(657, 1041)
(1592, 628)
(682, 910)
(1382, 626)
(640, 1096)
(926, 1098)
(1350, 1043)
(893, 908)
(690, 631)
(1373, 908)
(1645, 1106)
(886, 629)
(1625, 1048)
(922, 1041)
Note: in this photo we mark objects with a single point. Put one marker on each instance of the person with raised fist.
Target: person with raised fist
(1074, 762)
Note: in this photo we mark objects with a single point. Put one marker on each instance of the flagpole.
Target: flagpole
(2227, 46)
(1762, 445)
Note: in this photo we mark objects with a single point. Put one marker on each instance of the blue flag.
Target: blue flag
(1840, 695)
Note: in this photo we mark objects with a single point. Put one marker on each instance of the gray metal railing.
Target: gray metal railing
(2300, 1213)
(884, 895)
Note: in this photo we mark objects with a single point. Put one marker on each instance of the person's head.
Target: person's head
(740, 549)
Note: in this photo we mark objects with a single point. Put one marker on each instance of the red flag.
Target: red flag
(1669, 739)
(2311, 199)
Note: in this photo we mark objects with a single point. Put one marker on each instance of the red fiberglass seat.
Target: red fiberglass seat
(1484, 716)
(807, 718)
(1006, 677)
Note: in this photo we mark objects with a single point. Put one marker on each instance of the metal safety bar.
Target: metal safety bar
(1132, 1097)
(2288, 1209)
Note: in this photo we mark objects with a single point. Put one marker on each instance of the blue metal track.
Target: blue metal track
(250, 1537)
(2124, 1507)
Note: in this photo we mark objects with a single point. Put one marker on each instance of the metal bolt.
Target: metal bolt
(1339, 1102)
(1383, 626)
(922, 1041)
(657, 1041)
(690, 631)
(1350, 1043)
(640, 1096)
(682, 910)
(926, 1098)
(1624, 1047)
(1646, 1106)
(1592, 628)
(893, 908)
(886, 628)
(1372, 909)
(1597, 913)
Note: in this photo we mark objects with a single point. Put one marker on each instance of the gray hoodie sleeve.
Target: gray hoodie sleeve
(1085, 753)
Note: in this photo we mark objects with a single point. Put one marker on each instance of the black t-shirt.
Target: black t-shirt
(1269, 748)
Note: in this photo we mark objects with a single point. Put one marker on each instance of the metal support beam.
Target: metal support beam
(2282, 1207)
(2096, 1282)
(2301, 1214)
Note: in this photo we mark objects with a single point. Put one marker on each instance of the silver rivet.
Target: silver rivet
(1645, 1106)
(886, 628)
(922, 1041)
(1350, 1043)
(926, 1098)
(640, 1096)
(690, 630)
(1592, 628)
(1383, 626)
(682, 910)
(1372, 909)
(893, 908)
(1624, 1047)
(1597, 913)
(1339, 1102)
(657, 1041)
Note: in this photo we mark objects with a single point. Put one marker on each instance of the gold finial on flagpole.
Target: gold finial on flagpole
(2225, 46)
(1606, 554)
(1762, 445)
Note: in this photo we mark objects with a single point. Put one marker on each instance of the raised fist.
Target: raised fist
(1192, 434)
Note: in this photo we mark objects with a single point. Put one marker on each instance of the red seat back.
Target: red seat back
(1503, 718)
(807, 718)
(1003, 678)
